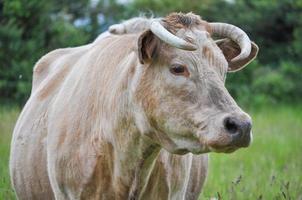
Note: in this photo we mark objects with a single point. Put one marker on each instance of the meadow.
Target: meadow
(271, 168)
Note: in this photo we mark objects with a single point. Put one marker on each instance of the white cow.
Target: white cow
(121, 118)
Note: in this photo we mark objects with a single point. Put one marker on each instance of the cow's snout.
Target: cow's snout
(239, 128)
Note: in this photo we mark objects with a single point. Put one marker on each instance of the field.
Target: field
(270, 169)
(7, 122)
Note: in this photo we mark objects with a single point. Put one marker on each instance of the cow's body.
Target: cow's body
(106, 120)
(56, 117)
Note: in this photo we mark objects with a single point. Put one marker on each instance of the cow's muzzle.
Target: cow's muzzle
(239, 128)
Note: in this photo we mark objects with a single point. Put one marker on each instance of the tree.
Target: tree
(29, 29)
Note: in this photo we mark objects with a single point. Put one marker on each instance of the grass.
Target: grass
(270, 169)
(8, 118)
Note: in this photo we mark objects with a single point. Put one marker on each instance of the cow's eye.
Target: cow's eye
(179, 70)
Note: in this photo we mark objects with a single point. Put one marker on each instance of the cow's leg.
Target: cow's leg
(29, 176)
(59, 195)
(170, 177)
(198, 175)
(59, 172)
(28, 157)
(70, 163)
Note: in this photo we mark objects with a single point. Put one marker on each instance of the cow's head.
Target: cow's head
(179, 89)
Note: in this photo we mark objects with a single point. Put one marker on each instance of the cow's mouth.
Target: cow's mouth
(234, 133)
(229, 149)
(229, 144)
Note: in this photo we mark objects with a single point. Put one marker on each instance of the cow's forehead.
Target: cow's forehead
(208, 57)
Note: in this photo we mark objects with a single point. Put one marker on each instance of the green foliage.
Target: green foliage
(29, 29)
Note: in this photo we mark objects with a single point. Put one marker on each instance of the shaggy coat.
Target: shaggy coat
(112, 120)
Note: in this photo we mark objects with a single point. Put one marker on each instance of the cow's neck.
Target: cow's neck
(133, 153)
(136, 157)
(143, 169)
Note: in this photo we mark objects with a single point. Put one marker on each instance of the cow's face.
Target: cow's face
(184, 99)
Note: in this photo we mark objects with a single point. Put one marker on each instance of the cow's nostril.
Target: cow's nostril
(247, 126)
(230, 125)
(239, 129)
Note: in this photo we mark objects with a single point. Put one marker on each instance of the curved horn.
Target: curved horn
(169, 38)
(235, 34)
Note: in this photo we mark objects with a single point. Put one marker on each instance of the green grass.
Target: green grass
(270, 169)
(8, 118)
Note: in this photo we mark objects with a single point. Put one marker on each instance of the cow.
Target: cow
(132, 115)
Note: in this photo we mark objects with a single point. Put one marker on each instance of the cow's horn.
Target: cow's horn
(235, 34)
(169, 38)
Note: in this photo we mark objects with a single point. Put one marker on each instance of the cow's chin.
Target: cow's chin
(197, 151)
(229, 149)
(226, 144)
(204, 149)
(200, 143)
(220, 143)
(183, 146)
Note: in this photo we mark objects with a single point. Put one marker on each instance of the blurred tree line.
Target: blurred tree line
(31, 28)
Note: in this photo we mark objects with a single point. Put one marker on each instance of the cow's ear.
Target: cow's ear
(147, 46)
(230, 50)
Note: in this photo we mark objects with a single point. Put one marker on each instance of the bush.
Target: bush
(266, 84)
(28, 30)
